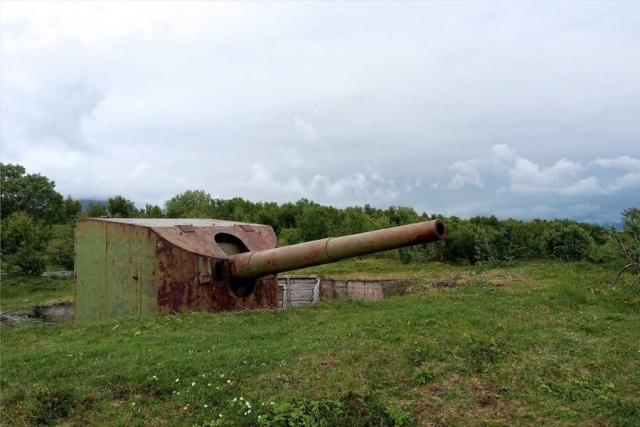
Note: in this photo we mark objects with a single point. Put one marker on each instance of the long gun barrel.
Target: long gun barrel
(249, 265)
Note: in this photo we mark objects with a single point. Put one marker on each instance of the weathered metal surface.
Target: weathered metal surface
(142, 266)
(256, 264)
(90, 270)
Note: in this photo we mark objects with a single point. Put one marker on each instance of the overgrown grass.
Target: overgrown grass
(537, 344)
(23, 292)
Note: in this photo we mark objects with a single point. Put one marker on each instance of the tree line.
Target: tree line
(37, 227)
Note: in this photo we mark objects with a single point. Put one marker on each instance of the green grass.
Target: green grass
(533, 344)
(23, 292)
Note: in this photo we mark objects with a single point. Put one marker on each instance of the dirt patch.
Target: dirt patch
(17, 317)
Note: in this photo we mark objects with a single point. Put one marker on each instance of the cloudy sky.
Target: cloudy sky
(516, 109)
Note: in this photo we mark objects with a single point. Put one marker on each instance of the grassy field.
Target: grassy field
(534, 344)
(22, 293)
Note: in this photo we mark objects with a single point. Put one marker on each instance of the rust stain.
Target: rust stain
(188, 285)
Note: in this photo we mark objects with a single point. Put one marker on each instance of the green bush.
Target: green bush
(60, 249)
(601, 254)
(566, 242)
(24, 242)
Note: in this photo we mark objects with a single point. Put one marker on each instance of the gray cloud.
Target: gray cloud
(514, 109)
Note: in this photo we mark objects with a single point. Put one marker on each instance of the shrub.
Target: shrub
(566, 242)
(60, 249)
(24, 242)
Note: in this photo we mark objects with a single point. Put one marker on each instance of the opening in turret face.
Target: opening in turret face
(230, 244)
(243, 287)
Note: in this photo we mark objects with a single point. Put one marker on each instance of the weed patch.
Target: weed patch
(482, 354)
(352, 410)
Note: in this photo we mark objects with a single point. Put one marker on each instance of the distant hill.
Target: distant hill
(86, 202)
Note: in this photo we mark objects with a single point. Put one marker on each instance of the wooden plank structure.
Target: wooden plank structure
(298, 290)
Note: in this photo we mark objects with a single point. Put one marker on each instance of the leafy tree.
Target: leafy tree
(31, 193)
(500, 242)
(267, 213)
(24, 242)
(490, 221)
(566, 241)
(72, 208)
(314, 223)
(369, 210)
(287, 214)
(597, 232)
(95, 210)
(236, 209)
(60, 248)
(534, 232)
(401, 215)
(419, 254)
(152, 211)
(357, 220)
(460, 244)
(119, 207)
(354, 221)
(288, 236)
(189, 204)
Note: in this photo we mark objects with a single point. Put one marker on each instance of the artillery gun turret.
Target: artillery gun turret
(163, 266)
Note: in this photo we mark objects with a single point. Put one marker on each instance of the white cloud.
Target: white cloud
(563, 178)
(375, 175)
(53, 111)
(622, 162)
(587, 186)
(50, 160)
(41, 24)
(630, 180)
(352, 189)
(524, 175)
(527, 176)
(466, 172)
(140, 169)
(503, 153)
(307, 128)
